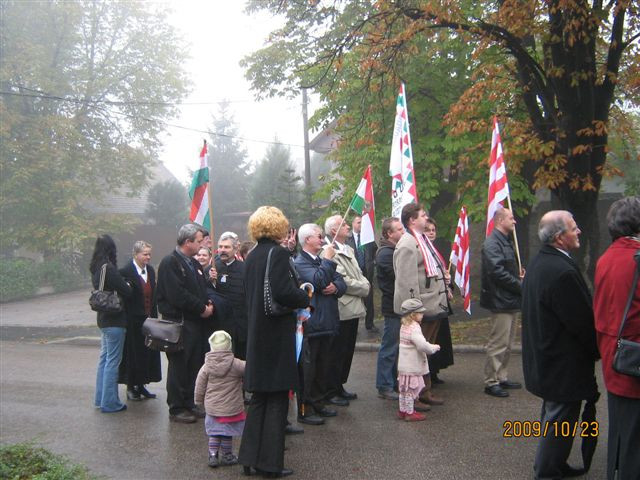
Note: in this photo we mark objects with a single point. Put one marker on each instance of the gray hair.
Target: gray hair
(189, 232)
(307, 230)
(331, 222)
(235, 241)
(140, 245)
(552, 224)
(623, 219)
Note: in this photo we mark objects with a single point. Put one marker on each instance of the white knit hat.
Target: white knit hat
(219, 341)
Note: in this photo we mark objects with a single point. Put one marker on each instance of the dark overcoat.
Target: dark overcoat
(139, 365)
(230, 284)
(271, 346)
(559, 347)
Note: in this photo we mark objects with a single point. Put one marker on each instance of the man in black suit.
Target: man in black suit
(559, 347)
(365, 255)
(182, 297)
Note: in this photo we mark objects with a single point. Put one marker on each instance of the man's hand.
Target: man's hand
(447, 278)
(329, 251)
(522, 273)
(329, 289)
(208, 311)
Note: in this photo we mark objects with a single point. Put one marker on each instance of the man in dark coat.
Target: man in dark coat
(365, 255)
(182, 297)
(387, 368)
(559, 347)
(324, 324)
(501, 293)
(230, 284)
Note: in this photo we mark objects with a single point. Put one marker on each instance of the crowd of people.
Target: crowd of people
(241, 306)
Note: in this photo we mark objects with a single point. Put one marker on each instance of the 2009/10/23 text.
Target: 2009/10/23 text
(518, 429)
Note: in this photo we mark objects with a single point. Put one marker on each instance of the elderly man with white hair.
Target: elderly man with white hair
(559, 347)
(350, 305)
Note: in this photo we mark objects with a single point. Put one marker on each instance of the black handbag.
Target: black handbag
(102, 300)
(627, 357)
(271, 307)
(162, 335)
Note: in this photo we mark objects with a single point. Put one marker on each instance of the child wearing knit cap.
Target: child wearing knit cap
(412, 359)
(219, 388)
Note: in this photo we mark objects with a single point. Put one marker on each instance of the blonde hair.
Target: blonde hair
(409, 318)
(268, 222)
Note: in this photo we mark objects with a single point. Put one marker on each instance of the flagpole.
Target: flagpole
(344, 217)
(515, 235)
(210, 195)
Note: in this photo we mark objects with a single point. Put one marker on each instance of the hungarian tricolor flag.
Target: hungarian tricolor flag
(498, 185)
(199, 192)
(403, 181)
(362, 203)
(460, 259)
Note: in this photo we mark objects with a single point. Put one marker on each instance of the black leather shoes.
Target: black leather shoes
(347, 395)
(291, 429)
(325, 412)
(568, 471)
(285, 472)
(145, 393)
(510, 385)
(310, 419)
(496, 391)
(133, 395)
(198, 411)
(183, 417)
(338, 401)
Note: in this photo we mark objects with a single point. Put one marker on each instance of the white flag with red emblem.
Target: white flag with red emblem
(403, 181)
(460, 259)
(363, 204)
(498, 185)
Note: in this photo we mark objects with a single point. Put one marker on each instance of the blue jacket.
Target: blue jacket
(325, 319)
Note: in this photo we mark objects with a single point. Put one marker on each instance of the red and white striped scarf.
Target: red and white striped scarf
(430, 262)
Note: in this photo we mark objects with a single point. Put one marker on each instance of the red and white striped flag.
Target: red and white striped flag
(498, 185)
(460, 258)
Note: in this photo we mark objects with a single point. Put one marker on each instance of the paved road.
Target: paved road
(46, 395)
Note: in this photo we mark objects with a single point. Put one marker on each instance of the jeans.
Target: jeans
(111, 345)
(387, 370)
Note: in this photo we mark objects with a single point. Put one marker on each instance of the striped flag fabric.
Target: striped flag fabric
(460, 259)
(199, 192)
(403, 182)
(362, 203)
(498, 185)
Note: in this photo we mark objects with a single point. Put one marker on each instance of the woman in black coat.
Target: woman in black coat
(271, 369)
(139, 365)
(112, 326)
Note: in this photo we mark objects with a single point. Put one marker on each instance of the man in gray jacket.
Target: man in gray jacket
(351, 308)
(419, 275)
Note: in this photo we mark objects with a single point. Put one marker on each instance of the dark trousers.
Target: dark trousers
(341, 355)
(184, 367)
(624, 437)
(368, 303)
(553, 450)
(262, 445)
(316, 367)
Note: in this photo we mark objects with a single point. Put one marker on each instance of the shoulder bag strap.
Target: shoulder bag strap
(266, 271)
(634, 284)
(103, 274)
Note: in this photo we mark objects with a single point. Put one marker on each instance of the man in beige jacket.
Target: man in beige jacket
(419, 274)
(351, 307)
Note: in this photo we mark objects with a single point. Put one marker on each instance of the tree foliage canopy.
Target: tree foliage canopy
(554, 71)
(85, 88)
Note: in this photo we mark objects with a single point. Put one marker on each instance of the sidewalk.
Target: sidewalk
(67, 318)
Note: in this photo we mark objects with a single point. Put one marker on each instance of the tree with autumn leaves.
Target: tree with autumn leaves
(560, 74)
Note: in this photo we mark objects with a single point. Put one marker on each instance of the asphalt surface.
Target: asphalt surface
(46, 392)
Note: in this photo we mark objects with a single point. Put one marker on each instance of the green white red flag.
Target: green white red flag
(199, 192)
(362, 203)
(403, 183)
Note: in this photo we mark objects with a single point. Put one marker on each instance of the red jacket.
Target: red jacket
(614, 274)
